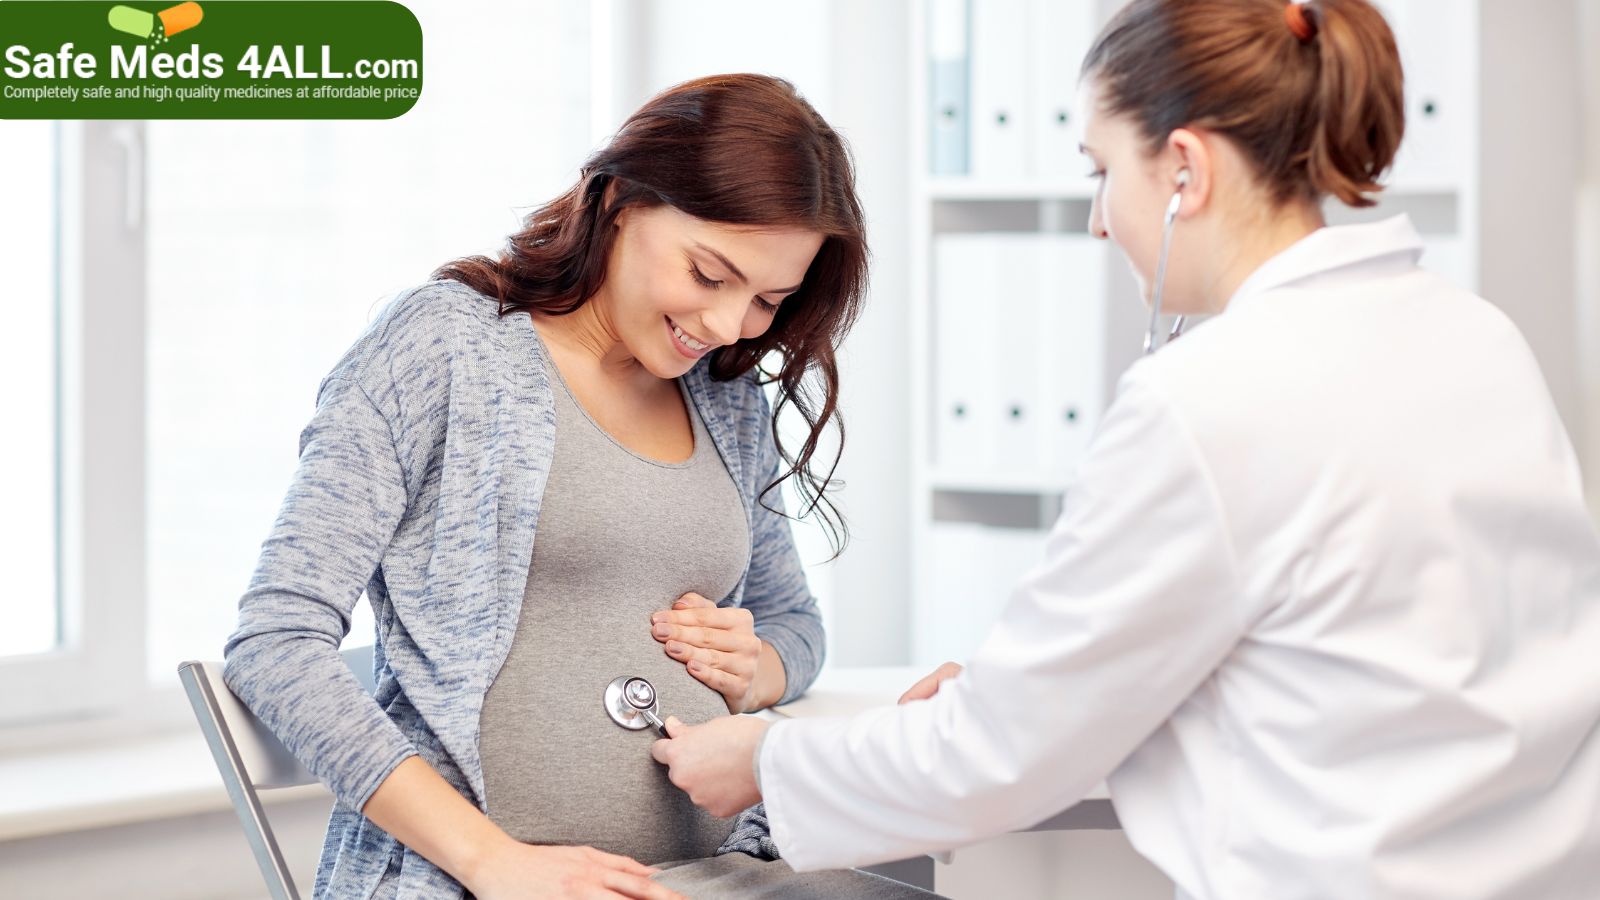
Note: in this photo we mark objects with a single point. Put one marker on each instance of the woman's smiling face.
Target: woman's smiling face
(678, 287)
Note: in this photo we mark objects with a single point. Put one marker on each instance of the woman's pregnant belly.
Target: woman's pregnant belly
(557, 769)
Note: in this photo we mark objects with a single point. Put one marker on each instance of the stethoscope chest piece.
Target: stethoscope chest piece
(631, 702)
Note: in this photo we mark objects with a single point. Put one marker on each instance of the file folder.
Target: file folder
(965, 312)
(1073, 325)
(1000, 89)
(948, 76)
(1061, 33)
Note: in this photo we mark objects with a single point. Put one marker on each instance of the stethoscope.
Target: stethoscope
(631, 702)
(1150, 345)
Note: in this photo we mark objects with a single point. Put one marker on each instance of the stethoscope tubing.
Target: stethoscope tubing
(1170, 220)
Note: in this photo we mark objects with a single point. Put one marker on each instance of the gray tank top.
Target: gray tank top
(619, 537)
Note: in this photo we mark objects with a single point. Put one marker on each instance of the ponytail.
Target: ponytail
(1311, 93)
(1360, 104)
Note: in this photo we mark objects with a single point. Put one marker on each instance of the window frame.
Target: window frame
(100, 300)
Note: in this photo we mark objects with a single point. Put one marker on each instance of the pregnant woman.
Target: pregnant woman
(551, 469)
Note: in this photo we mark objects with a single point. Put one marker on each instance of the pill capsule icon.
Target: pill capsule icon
(178, 18)
(139, 23)
(132, 21)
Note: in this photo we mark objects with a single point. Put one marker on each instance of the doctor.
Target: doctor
(1323, 606)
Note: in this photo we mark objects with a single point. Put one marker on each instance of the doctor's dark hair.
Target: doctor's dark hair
(742, 150)
(1312, 96)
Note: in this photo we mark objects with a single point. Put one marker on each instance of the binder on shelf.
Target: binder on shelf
(1015, 407)
(1019, 356)
(944, 613)
(1000, 89)
(1061, 33)
(1072, 327)
(948, 100)
(964, 323)
(973, 570)
(1434, 38)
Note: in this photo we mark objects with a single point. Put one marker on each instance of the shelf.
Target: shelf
(1419, 188)
(997, 482)
(964, 188)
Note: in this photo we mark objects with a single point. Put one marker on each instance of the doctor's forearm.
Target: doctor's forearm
(894, 782)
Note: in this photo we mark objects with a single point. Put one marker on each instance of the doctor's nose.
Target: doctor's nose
(1097, 221)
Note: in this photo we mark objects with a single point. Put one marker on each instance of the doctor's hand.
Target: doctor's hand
(929, 685)
(713, 763)
(720, 648)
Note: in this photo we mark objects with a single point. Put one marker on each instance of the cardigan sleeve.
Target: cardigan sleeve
(344, 503)
(776, 593)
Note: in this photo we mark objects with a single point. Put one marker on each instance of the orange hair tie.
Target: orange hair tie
(1295, 14)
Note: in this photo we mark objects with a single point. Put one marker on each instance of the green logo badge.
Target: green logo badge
(255, 59)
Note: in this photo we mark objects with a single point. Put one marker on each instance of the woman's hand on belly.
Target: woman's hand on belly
(524, 871)
(720, 648)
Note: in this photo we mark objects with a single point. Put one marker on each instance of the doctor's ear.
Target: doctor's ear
(1192, 180)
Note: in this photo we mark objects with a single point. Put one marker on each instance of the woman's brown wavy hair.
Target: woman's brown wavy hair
(734, 149)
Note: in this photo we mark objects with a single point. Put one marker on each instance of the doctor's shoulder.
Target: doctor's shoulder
(1455, 324)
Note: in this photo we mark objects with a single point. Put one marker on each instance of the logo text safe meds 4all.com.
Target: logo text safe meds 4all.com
(222, 59)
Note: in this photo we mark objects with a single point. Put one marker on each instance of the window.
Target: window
(28, 530)
(233, 262)
(257, 289)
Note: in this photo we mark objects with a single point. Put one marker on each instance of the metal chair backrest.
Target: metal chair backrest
(251, 759)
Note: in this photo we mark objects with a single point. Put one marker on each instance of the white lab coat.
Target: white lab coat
(1322, 607)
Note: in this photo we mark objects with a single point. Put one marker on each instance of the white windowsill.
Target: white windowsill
(138, 780)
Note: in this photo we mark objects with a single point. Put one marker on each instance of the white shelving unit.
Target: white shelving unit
(975, 528)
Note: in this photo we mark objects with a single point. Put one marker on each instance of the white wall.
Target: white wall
(1529, 86)
(1588, 239)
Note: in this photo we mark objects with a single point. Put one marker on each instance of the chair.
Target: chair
(250, 759)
